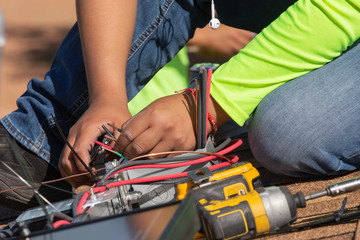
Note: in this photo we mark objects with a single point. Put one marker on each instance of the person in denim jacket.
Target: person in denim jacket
(305, 127)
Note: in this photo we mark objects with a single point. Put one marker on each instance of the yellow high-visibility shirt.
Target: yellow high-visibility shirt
(305, 37)
(172, 77)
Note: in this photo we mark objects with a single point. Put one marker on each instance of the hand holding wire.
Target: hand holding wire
(82, 135)
(110, 149)
(165, 125)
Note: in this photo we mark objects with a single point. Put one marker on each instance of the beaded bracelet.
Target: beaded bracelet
(213, 123)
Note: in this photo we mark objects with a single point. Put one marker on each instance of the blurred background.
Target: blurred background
(33, 31)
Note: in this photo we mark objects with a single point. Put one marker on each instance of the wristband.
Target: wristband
(213, 123)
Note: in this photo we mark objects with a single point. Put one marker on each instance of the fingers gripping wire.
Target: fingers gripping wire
(107, 131)
(116, 128)
(160, 163)
(110, 149)
(95, 178)
(141, 164)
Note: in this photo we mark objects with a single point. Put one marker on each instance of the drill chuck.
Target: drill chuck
(281, 206)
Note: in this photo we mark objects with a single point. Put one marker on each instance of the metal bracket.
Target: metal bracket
(201, 175)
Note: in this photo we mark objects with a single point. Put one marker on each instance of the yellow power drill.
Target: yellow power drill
(258, 212)
(232, 203)
(237, 179)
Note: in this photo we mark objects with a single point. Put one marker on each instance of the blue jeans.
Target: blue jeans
(310, 126)
(162, 28)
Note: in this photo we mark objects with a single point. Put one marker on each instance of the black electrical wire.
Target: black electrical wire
(330, 220)
(95, 178)
(107, 131)
(118, 129)
(161, 160)
(6, 233)
(22, 161)
(77, 217)
(56, 188)
(142, 162)
(204, 106)
(222, 145)
(334, 218)
(199, 115)
(59, 215)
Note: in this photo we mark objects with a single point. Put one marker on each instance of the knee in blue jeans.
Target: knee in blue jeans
(282, 143)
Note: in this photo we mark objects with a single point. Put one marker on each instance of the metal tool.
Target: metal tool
(337, 189)
(244, 216)
(233, 204)
(260, 211)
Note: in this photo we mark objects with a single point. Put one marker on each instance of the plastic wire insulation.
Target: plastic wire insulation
(198, 114)
(158, 178)
(196, 111)
(61, 223)
(117, 129)
(109, 148)
(144, 180)
(95, 178)
(107, 131)
(204, 103)
(169, 165)
(103, 145)
(208, 83)
(232, 147)
(222, 145)
(143, 162)
(176, 152)
(208, 158)
(138, 162)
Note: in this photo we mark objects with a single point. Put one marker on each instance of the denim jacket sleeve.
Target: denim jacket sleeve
(305, 37)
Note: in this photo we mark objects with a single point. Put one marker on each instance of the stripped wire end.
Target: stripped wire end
(186, 90)
(110, 149)
(114, 127)
(110, 138)
(107, 131)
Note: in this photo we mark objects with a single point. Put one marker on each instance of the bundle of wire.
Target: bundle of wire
(102, 186)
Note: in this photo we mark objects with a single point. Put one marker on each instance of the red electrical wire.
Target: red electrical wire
(163, 177)
(144, 180)
(190, 162)
(169, 165)
(60, 223)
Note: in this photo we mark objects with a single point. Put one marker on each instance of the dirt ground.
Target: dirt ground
(33, 31)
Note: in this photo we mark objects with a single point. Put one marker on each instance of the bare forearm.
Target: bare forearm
(106, 29)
